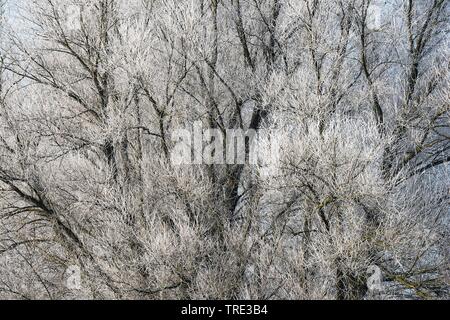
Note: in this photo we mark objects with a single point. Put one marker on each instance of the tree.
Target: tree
(93, 93)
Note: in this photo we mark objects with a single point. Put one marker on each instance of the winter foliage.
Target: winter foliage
(353, 94)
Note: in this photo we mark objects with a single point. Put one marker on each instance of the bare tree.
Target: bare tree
(93, 92)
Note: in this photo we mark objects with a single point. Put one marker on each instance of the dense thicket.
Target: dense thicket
(93, 90)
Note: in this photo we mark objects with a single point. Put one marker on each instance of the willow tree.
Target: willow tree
(94, 92)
